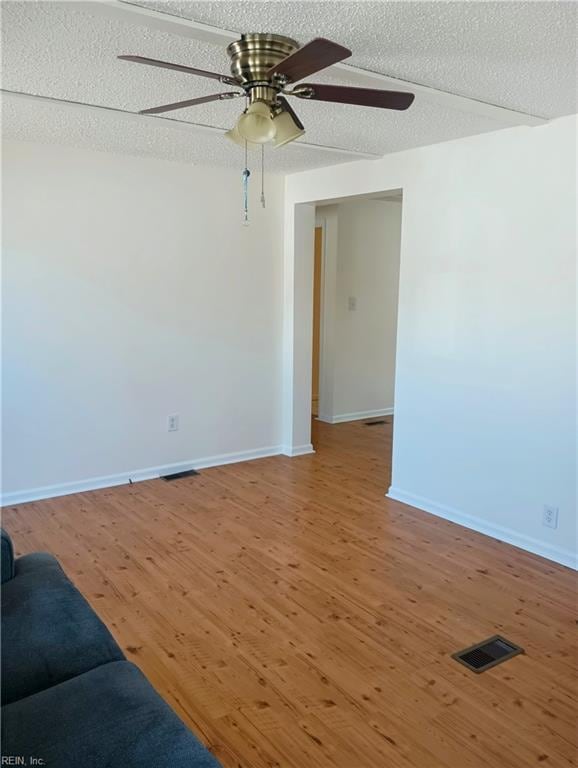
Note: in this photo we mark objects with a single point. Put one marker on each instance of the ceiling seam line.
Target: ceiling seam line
(175, 122)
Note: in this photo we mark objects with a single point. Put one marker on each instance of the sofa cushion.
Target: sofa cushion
(110, 717)
(49, 632)
(6, 556)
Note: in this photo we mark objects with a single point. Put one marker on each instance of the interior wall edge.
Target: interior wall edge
(298, 450)
(551, 552)
(359, 416)
(134, 476)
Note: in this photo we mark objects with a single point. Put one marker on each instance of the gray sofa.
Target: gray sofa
(69, 696)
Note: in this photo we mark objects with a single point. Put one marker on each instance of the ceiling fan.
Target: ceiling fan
(263, 66)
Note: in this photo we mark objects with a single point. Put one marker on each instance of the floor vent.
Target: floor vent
(375, 423)
(179, 475)
(487, 654)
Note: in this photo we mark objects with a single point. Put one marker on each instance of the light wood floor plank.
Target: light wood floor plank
(296, 618)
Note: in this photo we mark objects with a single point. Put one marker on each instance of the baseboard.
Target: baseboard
(535, 546)
(138, 475)
(298, 450)
(358, 416)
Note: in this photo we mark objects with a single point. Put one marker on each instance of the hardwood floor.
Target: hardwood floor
(296, 618)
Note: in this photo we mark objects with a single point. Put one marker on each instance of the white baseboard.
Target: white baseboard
(342, 417)
(298, 450)
(137, 475)
(562, 556)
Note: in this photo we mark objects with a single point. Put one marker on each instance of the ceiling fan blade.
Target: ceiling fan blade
(361, 97)
(191, 102)
(288, 108)
(312, 57)
(180, 68)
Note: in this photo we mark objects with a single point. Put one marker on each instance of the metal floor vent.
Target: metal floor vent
(375, 423)
(487, 654)
(178, 475)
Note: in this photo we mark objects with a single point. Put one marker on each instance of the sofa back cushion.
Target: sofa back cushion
(49, 632)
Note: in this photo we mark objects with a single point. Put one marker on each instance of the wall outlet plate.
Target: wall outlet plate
(550, 516)
(173, 422)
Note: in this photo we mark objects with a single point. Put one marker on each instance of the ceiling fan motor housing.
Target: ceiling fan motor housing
(253, 56)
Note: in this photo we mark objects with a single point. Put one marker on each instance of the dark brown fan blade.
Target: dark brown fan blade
(190, 102)
(180, 68)
(361, 97)
(288, 108)
(311, 58)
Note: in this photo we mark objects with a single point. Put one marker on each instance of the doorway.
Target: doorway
(355, 276)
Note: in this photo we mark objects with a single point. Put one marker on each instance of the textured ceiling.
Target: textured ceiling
(518, 55)
(102, 130)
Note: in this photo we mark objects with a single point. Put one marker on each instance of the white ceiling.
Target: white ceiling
(519, 55)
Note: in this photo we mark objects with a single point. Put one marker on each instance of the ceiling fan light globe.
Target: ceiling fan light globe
(286, 129)
(256, 124)
(234, 136)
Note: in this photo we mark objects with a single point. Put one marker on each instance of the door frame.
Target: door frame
(319, 224)
(299, 232)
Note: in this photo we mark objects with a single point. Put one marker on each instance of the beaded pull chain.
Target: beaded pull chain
(246, 173)
(262, 175)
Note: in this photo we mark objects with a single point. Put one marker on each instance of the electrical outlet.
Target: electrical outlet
(550, 516)
(352, 303)
(173, 423)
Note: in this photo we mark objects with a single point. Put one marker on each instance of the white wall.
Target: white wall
(131, 292)
(358, 368)
(485, 429)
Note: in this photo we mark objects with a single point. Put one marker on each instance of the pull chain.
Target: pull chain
(262, 175)
(246, 173)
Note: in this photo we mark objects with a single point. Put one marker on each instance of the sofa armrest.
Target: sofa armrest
(6, 556)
